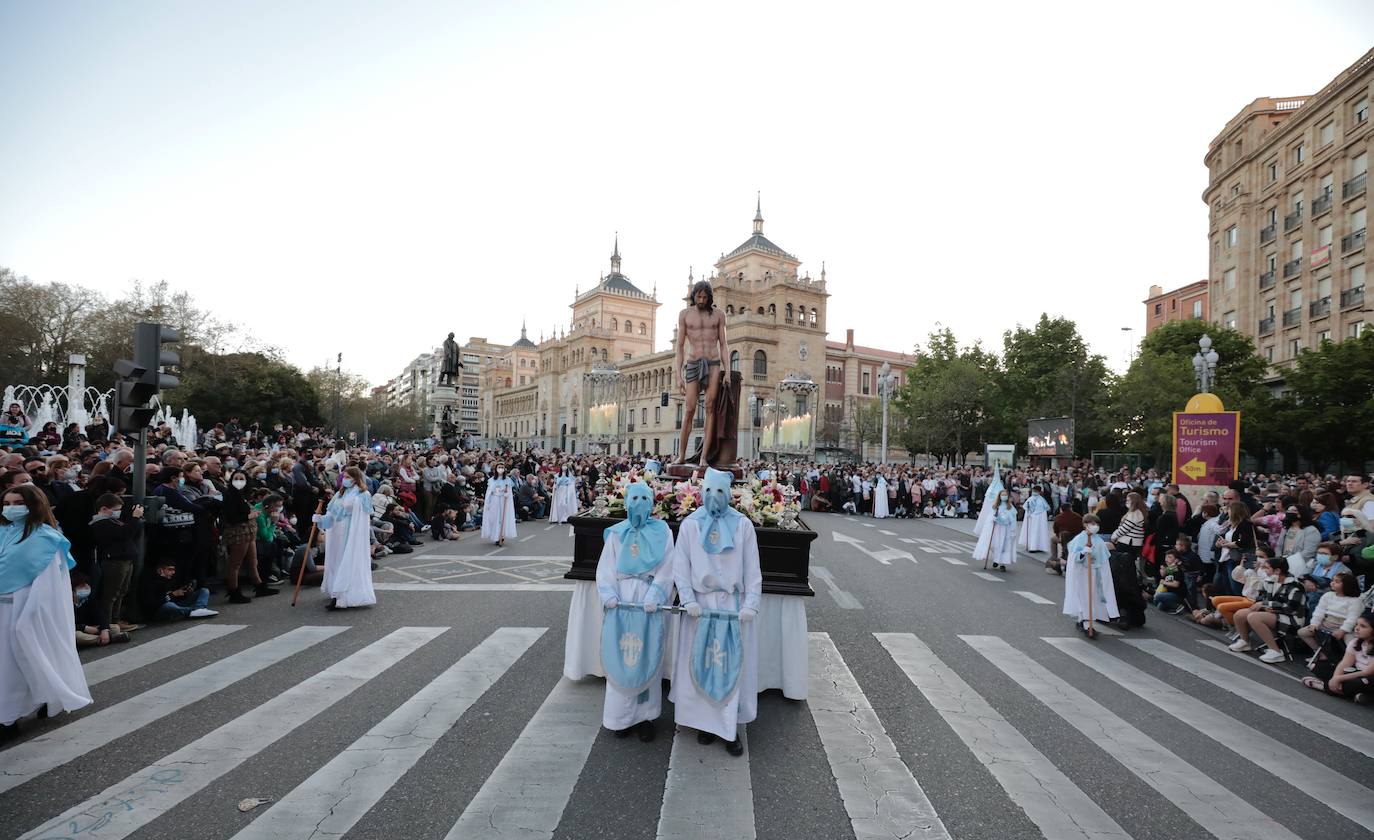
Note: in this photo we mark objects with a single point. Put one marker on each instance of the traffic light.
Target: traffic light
(141, 379)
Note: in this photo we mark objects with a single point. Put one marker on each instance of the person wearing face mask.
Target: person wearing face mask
(239, 536)
(635, 568)
(564, 496)
(719, 582)
(347, 528)
(997, 543)
(498, 508)
(116, 551)
(1089, 590)
(38, 663)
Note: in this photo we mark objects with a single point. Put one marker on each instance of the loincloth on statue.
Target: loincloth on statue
(698, 371)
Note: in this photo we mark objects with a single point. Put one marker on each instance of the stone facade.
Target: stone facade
(1287, 189)
(775, 328)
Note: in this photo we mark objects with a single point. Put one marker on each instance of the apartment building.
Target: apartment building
(1182, 304)
(1287, 192)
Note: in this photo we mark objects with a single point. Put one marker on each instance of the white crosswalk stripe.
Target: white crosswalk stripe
(128, 805)
(1208, 803)
(146, 653)
(45, 752)
(1338, 729)
(529, 789)
(332, 800)
(1032, 597)
(881, 796)
(1058, 807)
(880, 789)
(1226, 728)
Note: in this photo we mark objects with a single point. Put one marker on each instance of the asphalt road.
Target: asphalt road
(977, 710)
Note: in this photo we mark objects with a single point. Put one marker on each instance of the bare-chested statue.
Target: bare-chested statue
(703, 326)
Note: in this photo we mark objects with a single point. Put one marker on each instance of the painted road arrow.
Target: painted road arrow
(885, 556)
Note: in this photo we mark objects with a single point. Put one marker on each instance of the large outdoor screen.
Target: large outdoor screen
(1050, 436)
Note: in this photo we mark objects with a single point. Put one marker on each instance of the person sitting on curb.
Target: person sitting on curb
(163, 599)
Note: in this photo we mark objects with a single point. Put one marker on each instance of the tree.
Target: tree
(865, 422)
(1143, 402)
(1332, 393)
(251, 386)
(1048, 371)
(946, 398)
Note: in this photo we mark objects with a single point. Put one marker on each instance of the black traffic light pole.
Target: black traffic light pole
(140, 381)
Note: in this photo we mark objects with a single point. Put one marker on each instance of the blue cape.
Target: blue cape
(21, 562)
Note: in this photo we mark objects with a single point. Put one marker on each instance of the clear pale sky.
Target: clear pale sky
(365, 177)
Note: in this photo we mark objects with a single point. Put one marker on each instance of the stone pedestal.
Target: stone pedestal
(444, 396)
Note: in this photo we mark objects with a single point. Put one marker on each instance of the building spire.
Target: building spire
(615, 255)
(758, 213)
(822, 271)
(522, 329)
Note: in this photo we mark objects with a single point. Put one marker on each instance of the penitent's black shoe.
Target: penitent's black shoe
(705, 737)
(647, 732)
(735, 747)
(624, 733)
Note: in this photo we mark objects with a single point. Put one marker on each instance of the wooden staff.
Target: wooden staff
(309, 545)
(1092, 596)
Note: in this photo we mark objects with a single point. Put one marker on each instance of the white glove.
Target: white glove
(315, 517)
(611, 603)
(693, 609)
(746, 615)
(650, 606)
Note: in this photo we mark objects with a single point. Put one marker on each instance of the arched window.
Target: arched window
(734, 360)
(615, 325)
(603, 354)
(643, 328)
(760, 310)
(729, 309)
(813, 316)
(788, 311)
(772, 309)
(760, 363)
(629, 328)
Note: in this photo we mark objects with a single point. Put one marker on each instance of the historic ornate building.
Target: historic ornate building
(775, 328)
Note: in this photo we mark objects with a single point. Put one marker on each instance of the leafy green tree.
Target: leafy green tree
(1048, 371)
(251, 386)
(947, 398)
(1332, 394)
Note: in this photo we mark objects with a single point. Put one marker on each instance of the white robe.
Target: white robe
(621, 710)
(347, 524)
(880, 499)
(739, 568)
(38, 661)
(498, 511)
(1076, 582)
(564, 500)
(997, 543)
(1035, 528)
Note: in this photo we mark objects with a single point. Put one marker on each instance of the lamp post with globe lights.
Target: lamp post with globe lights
(1205, 364)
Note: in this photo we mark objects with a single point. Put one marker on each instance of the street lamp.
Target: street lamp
(753, 415)
(887, 380)
(1205, 364)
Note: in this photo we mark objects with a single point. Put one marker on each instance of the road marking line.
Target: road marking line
(572, 531)
(548, 527)
(1242, 657)
(879, 792)
(23, 762)
(889, 533)
(928, 550)
(1054, 803)
(490, 553)
(908, 540)
(528, 791)
(1337, 791)
(474, 587)
(1208, 803)
(1032, 597)
(1338, 729)
(953, 562)
(708, 792)
(866, 525)
(845, 600)
(108, 667)
(340, 793)
(530, 537)
(989, 576)
(127, 806)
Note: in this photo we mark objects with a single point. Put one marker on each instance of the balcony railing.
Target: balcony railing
(1292, 317)
(1292, 220)
(1267, 233)
(1355, 186)
(1321, 204)
(1352, 241)
(1352, 297)
(1319, 308)
(1292, 268)
(1267, 279)
(1266, 325)
(629, 427)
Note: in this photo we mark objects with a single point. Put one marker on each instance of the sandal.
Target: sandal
(1314, 683)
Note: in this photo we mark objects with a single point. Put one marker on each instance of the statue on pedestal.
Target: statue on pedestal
(451, 364)
(702, 326)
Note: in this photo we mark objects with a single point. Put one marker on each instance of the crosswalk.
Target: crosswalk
(1003, 708)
